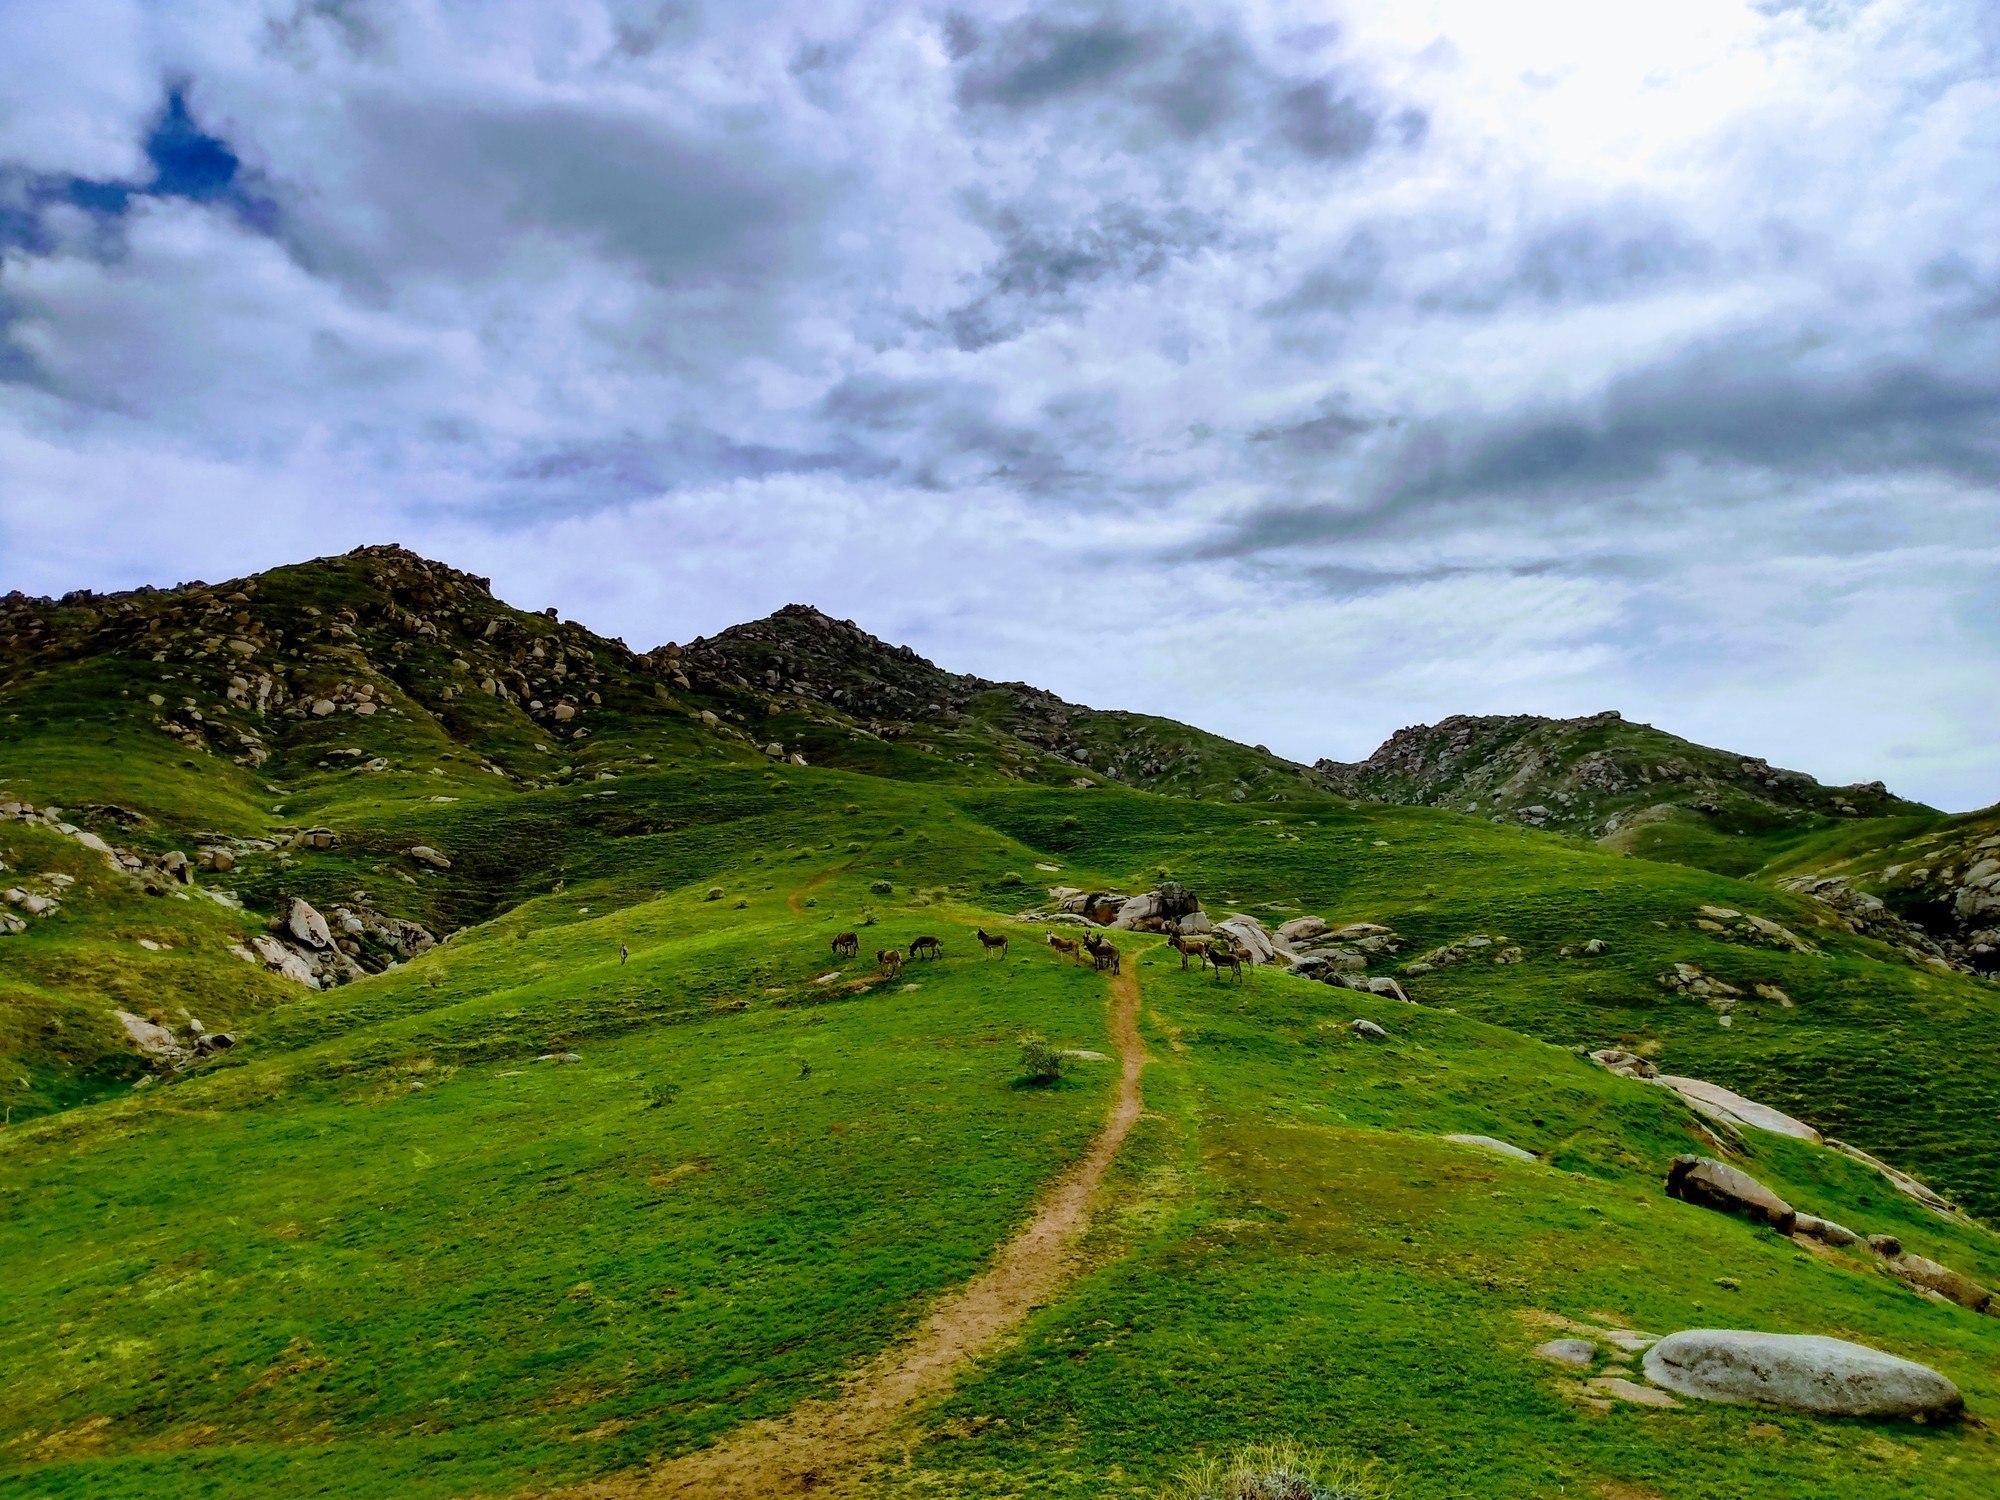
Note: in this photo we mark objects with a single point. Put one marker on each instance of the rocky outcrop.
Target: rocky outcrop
(1587, 775)
(1800, 1372)
(1712, 1184)
(1719, 1103)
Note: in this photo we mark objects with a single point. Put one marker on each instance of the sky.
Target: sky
(1302, 371)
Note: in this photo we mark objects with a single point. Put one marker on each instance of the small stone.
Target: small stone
(1575, 1352)
(1369, 1029)
(1624, 1390)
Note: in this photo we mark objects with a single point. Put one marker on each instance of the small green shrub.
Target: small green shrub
(1041, 1060)
(1070, 822)
(880, 887)
(896, 832)
(853, 848)
(714, 893)
(1278, 1471)
(852, 807)
(742, 902)
(1012, 877)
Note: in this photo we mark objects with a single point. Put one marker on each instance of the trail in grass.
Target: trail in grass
(818, 1447)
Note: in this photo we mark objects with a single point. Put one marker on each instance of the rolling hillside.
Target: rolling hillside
(564, 1156)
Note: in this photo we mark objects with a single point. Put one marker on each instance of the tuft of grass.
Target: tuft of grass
(1278, 1471)
(1041, 1061)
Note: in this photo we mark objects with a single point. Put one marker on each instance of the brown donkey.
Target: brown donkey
(1232, 959)
(846, 945)
(1066, 945)
(991, 943)
(891, 961)
(1189, 948)
(930, 947)
(1104, 953)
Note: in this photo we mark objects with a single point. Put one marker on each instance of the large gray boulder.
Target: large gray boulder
(1731, 1108)
(307, 925)
(1713, 1184)
(1249, 934)
(1800, 1372)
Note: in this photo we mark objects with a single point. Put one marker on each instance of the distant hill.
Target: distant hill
(1603, 777)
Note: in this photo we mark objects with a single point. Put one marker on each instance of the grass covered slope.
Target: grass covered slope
(628, 1160)
(381, 1248)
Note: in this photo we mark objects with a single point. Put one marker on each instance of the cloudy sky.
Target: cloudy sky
(1299, 369)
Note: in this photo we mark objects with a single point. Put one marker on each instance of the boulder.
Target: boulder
(1929, 1276)
(1135, 910)
(1059, 894)
(1713, 1184)
(1300, 929)
(1624, 1064)
(1250, 934)
(1800, 1372)
(307, 925)
(1594, 948)
(283, 961)
(1382, 984)
(429, 856)
(1354, 931)
(1719, 1103)
(218, 860)
(1369, 1029)
(1885, 1245)
(1501, 1148)
(1192, 924)
(146, 1036)
(32, 904)
(1824, 1230)
(1903, 1182)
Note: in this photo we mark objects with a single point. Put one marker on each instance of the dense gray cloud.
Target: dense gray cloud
(1348, 369)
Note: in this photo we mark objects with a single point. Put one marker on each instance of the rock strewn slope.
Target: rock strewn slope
(1593, 776)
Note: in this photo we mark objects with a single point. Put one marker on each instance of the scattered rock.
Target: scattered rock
(429, 856)
(1929, 1276)
(1620, 1389)
(1594, 948)
(1718, 1103)
(1250, 935)
(1577, 1353)
(1624, 1064)
(306, 924)
(146, 1036)
(1488, 1143)
(1713, 1184)
(1903, 1182)
(1800, 1372)
(1369, 1029)
(1301, 929)
(1886, 1245)
(1824, 1230)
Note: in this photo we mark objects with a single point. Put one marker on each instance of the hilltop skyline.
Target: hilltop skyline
(1302, 372)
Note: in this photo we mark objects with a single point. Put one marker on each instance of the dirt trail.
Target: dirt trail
(818, 1447)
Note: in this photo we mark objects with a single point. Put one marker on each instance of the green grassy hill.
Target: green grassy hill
(627, 1159)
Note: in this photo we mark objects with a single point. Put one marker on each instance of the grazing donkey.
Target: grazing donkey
(991, 943)
(930, 947)
(1066, 945)
(891, 961)
(846, 945)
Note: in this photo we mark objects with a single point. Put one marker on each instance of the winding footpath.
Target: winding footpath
(819, 1447)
